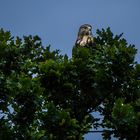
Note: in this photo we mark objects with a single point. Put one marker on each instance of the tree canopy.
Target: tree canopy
(45, 95)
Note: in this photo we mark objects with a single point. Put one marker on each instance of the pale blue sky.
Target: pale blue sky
(57, 21)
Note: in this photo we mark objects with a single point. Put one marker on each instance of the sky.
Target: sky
(57, 21)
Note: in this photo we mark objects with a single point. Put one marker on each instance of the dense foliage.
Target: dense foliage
(47, 96)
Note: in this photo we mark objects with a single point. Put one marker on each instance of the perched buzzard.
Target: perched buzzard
(85, 37)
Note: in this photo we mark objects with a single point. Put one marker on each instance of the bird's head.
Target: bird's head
(85, 29)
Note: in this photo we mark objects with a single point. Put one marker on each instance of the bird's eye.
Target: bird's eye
(84, 28)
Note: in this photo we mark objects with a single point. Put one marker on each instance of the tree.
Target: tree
(46, 95)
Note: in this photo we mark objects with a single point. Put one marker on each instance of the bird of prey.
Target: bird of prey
(85, 37)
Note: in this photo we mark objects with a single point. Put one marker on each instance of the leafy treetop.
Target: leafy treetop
(46, 95)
